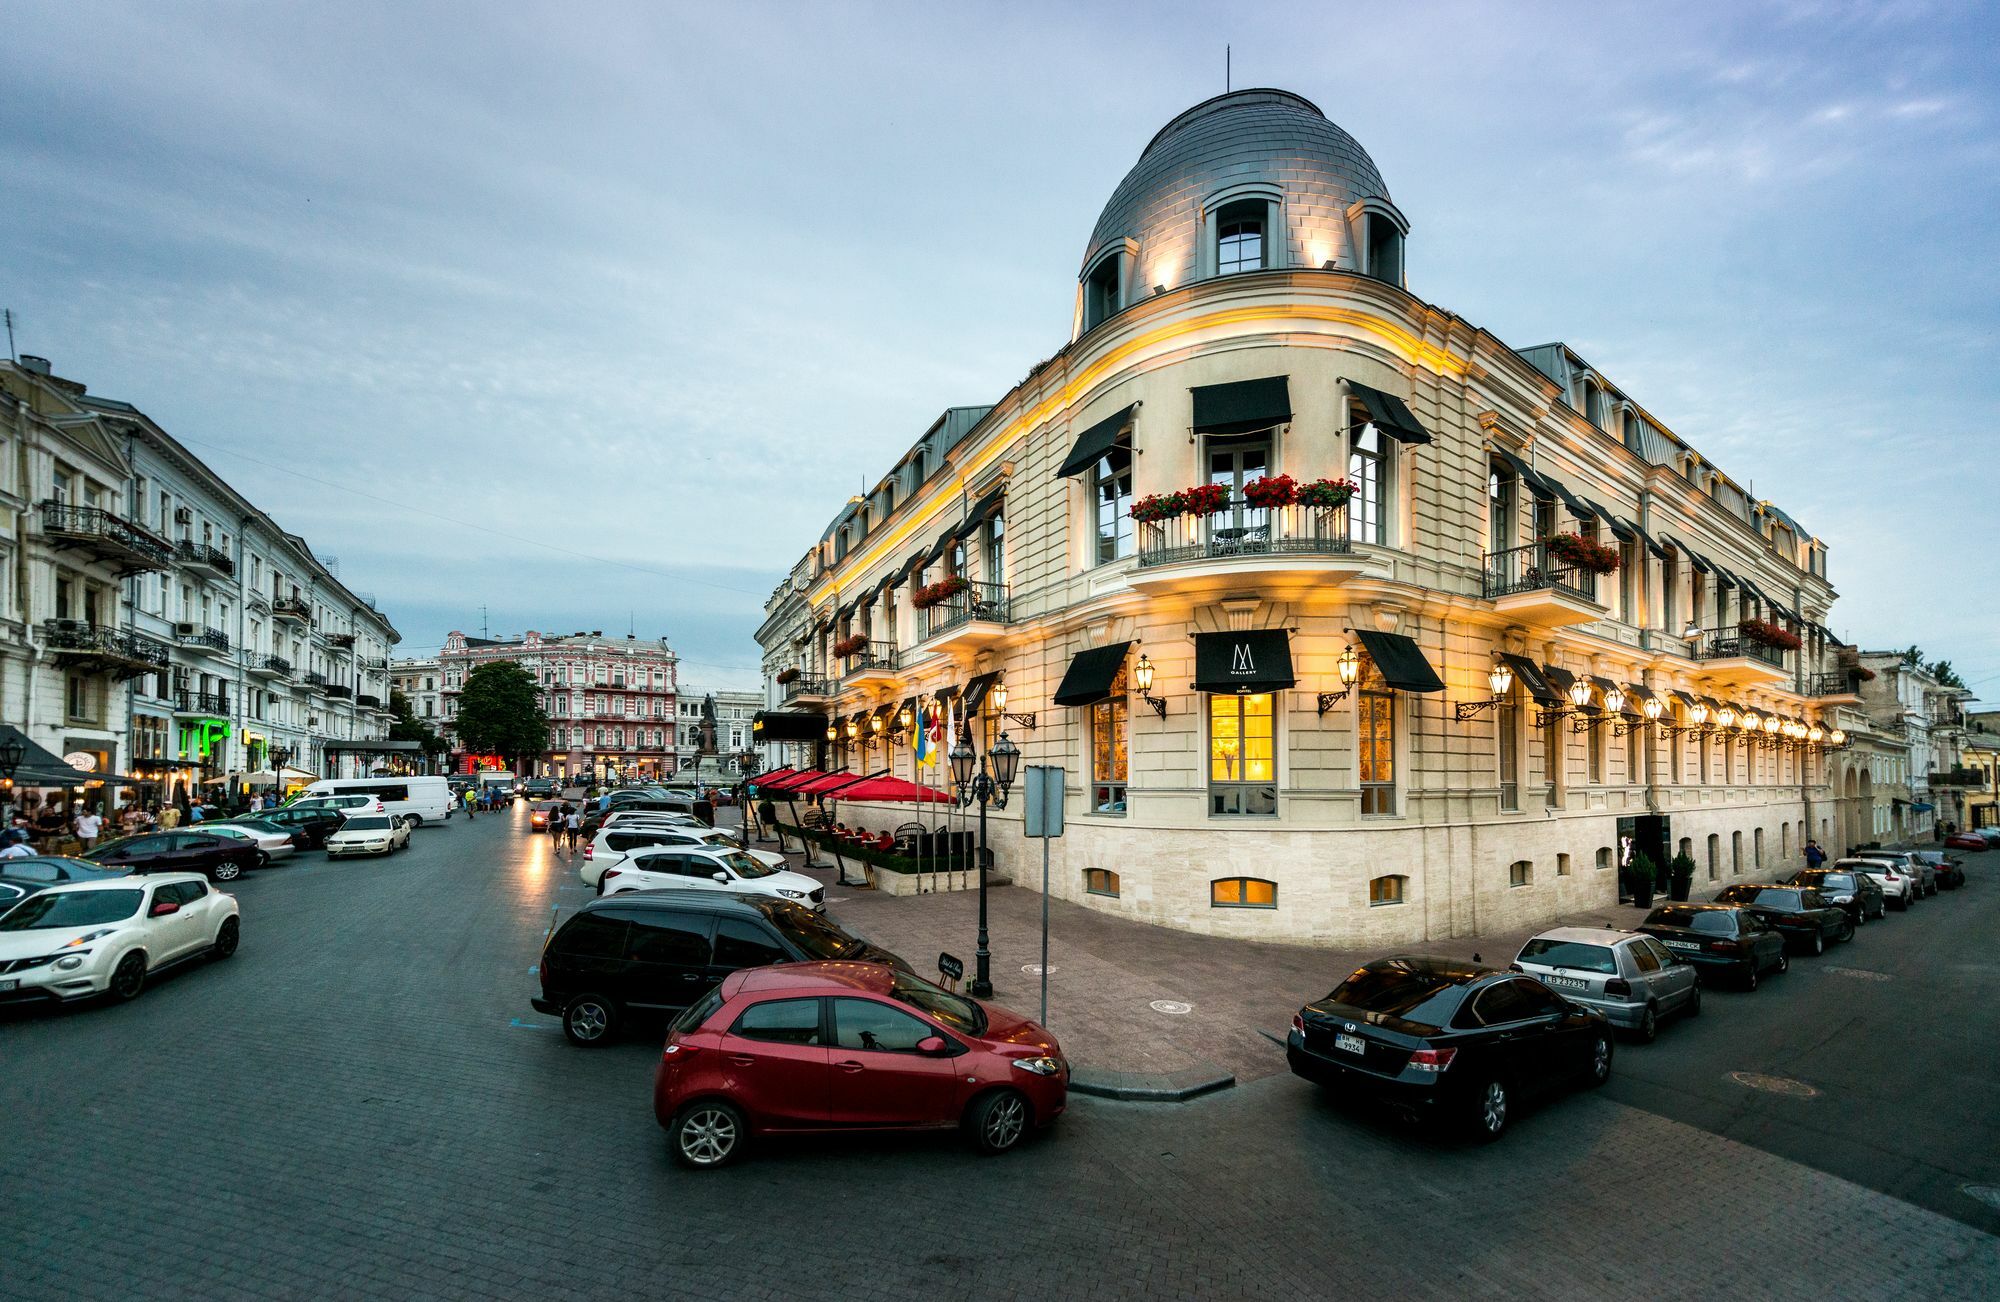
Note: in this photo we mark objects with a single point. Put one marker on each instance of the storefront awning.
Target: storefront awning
(1529, 675)
(1528, 475)
(1090, 674)
(1391, 414)
(948, 692)
(1243, 406)
(1254, 660)
(1651, 545)
(1559, 678)
(975, 692)
(943, 544)
(1686, 698)
(1400, 661)
(1699, 561)
(1093, 443)
(788, 725)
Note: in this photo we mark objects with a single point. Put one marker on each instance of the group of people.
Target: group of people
(43, 824)
(566, 826)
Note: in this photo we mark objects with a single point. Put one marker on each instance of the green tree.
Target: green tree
(1945, 674)
(497, 713)
(1914, 657)
(408, 727)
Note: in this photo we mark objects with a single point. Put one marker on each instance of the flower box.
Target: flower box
(1206, 499)
(787, 676)
(932, 594)
(847, 646)
(1577, 552)
(1326, 494)
(1271, 491)
(1768, 634)
(1157, 507)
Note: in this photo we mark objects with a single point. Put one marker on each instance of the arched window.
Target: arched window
(1241, 237)
(1603, 857)
(1100, 881)
(1242, 893)
(1387, 890)
(1520, 873)
(1593, 400)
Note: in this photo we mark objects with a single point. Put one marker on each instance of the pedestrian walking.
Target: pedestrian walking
(573, 825)
(471, 804)
(1814, 855)
(170, 817)
(88, 824)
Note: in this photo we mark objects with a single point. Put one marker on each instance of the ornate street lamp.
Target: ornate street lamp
(1501, 679)
(1142, 681)
(999, 698)
(1349, 666)
(975, 783)
(12, 752)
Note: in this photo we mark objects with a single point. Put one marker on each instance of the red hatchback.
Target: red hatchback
(817, 1047)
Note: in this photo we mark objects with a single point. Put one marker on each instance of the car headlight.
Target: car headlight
(87, 939)
(791, 895)
(70, 962)
(1043, 1066)
(1843, 899)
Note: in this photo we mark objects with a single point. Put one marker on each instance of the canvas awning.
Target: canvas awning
(1400, 661)
(1093, 443)
(1243, 406)
(982, 510)
(788, 725)
(975, 691)
(892, 790)
(1241, 663)
(1090, 674)
(1529, 675)
(1559, 678)
(1389, 413)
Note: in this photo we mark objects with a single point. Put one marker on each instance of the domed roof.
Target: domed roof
(1243, 138)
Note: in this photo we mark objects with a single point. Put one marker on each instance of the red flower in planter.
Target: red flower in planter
(847, 646)
(1206, 499)
(1768, 634)
(1581, 553)
(787, 676)
(1271, 491)
(1156, 507)
(1326, 494)
(943, 590)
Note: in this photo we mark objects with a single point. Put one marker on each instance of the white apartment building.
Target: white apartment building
(420, 679)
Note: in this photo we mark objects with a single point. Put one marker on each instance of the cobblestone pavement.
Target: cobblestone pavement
(362, 1105)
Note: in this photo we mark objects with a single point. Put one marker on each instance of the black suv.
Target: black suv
(654, 951)
(1724, 937)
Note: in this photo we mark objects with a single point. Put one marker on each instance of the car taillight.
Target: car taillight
(1432, 1059)
(609, 873)
(1617, 986)
(1299, 1023)
(1723, 946)
(587, 851)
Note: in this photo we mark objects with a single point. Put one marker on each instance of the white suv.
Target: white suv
(706, 868)
(1898, 886)
(614, 844)
(78, 939)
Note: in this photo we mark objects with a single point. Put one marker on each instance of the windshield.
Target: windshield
(53, 910)
(955, 1012)
(1570, 954)
(366, 825)
(812, 933)
(1400, 990)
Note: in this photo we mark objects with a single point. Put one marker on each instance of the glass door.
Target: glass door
(1232, 463)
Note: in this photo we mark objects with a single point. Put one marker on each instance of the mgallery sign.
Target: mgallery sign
(1253, 660)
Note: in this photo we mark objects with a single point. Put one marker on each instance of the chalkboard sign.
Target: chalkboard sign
(950, 968)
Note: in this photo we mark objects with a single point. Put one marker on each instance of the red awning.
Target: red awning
(762, 778)
(824, 784)
(894, 791)
(792, 780)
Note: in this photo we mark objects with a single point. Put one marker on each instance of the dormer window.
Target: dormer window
(1385, 249)
(1240, 231)
(1102, 293)
(1593, 399)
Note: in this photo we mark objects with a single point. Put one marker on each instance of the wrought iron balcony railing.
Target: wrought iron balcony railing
(980, 601)
(294, 608)
(80, 639)
(1731, 643)
(314, 678)
(196, 635)
(277, 664)
(807, 685)
(872, 656)
(1531, 569)
(204, 556)
(188, 702)
(1845, 682)
(1244, 532)
(113, 536)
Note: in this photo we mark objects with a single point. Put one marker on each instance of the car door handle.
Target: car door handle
(849, 1066)
(741, 1061)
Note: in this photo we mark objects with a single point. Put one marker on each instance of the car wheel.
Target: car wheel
(1902, 902)
(1819, 943)
(225, 939)
(1600, 1060)
(263, 858)
(227, 871)
(1847, 933)
(416, 821)
(996, 1121)
(128, 978)
(1860, 917)
(707, 1134)
(1783, 965)
(1693, 1005)
(590, 1020)
(1750, 977)
(1649, 1025)
(1489, 1110)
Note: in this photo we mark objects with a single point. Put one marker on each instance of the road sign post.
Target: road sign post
(1044, 820)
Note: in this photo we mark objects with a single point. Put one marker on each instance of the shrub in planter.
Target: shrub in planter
(1155, 507)
(1768, 634)
(787, 676)
(847, 646)
(1271, 491)
(943, 590)
(1639, 880)
(1326, 494)
(1680, 877)
(1206, 499)
(1581, 553)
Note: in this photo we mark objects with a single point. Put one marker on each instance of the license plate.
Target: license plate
(1683, 944)
(1567, 982)
(1351, 1043)
(9, 985)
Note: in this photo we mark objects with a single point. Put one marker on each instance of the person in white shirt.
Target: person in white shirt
(16, 845)
(88, 825)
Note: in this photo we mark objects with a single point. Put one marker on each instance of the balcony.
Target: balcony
(972, 620)
(200, 558)
(270, 666)
(345, 641)
(1243, 542)
(338, 691)
(375, 662)
(807, 689)
(98, 649)
(368, 702)
(198, 637)
(315, 680)
(1842, 688)
(109, 538)
(1528, 585)
(204, 705)
(874, 665)
(292, 610)
(1731, 657)
(1957, 778)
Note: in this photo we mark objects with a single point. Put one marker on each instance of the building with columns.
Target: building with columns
(610, 701)
(1348, 621)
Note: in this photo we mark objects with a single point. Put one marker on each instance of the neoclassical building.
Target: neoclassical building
(1348, 621)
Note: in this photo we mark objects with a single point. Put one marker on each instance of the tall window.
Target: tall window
(1670, 581)
(1232, 463)
(1111, 494)
(1375, 742)
(1242, 755)
(1545, 517)
(1628, 582)
(1368, 467)
(1385, 249)
(1239, 237)
(1109, 719)
(1100, 292)
(1507, 722)
(1598, 721)
(995, 559)
(1499, 509)
(1554, 758)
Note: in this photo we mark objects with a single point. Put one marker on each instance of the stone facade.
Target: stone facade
(610, 700)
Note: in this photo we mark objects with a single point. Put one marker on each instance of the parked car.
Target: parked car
(1973, 841)
(220, 858)
(1923, 876)
(1950, 872)
(711, 868)
(850, 1046)
(1726, 938)
(539, 788)
(13, 890)
(612, 846)
(355, 803)
(370, 834)
(646, 951)
(645, 818)
(427, 798)
(78, 939)
(1633, 980)
(272, 845)
(315, 824)
(1805, 918)
(48, 869)
(1855, 892)
(1451, 1039)
(1897, 886)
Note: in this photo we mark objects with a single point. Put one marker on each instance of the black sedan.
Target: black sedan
(314, 822)
(1725, 938)
(1448, 1039)
(1804, 917)
(1857, 893)
(219, 858)
(1950, 872)
(48, 869)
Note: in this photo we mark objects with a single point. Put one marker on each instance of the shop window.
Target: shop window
(1387, 890)
(1242, 893)
(1242, 755)
(1375, 742)
(1100, 881)
(1110, 720)
(1520, 873)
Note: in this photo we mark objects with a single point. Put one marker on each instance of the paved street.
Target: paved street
(362, 1104)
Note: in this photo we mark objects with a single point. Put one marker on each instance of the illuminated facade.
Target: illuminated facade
(610, 701)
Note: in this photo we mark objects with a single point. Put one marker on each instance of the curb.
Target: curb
(1140, 1087)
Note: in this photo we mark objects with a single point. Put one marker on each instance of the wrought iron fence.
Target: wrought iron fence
(1531, 568)
(195, 635)
(807, 685)
(194, 553)
(1242, 530)
(201, 702)
(979, 601)
(1731, 643)
(872, 655)
(79, 637)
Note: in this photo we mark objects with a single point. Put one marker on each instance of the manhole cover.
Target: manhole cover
(1986, 1193)
(1035, 969)
(1859, 973)
(1174, 1006)
(1797, 1089)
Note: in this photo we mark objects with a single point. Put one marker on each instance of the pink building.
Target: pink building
(610, 701)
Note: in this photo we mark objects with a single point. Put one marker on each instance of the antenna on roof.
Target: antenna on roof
(9, 314)
(1226, 71)
(482, 623)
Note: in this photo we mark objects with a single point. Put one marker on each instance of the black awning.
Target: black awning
(886, 711)
(910, 704)
(1559, 678)
(1699, 561)
(1623, 531)
(1686, 698)
(946, 693)
(1400, 661)
(1605, 684)
(975, 692)
(986, 507)
(1391, 414)
(1093, 443)
(1638, 692)
(909, 567)
(1579, 508)
(1651, 545)
(1243, 406)
(1529, 475)
(1254, 660)
(943, 544)
(1726, 579)
(788, 725)
(1090, 674)
(1529, 675)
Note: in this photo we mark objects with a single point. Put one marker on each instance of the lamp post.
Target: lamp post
(974, 782)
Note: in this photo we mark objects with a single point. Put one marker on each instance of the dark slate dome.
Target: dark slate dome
(1243, 138)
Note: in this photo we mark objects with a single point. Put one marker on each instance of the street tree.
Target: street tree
(498, 715)
(408, 727)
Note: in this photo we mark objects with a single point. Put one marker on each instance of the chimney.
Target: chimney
(34, 365)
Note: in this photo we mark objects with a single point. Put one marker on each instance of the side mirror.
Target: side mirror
(163, 908)
(932, 1045)
(723, 878)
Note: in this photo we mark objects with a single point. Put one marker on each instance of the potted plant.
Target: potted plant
(847, 646)
(1156, 508)
(1326, 494)
(787, 676)
(1639, 880)
(1764, 633)
(1681, 877)
(1577, 552)
(1205, 499)
(1269, 491)
(943, 590)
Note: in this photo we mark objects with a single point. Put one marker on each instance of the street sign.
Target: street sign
(950, 968)
(1045, 800)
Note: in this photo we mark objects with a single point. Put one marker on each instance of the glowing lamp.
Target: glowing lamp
(1614, 700)
(1501, 677)
(1350, 667)
(1142, 675)
(999, 697)
(1725, 718)
(1699, 713)
(1653, 708)
(1579, 693)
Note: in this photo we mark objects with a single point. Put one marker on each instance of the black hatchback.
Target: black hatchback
(1725, 938)
(1855, 893)
(1804, 917)
(650, 952)
(314, 822)
(1448, 1039)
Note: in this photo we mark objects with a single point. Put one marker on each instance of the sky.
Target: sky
(591, 315)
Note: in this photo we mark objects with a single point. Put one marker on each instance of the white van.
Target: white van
(426, 799)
